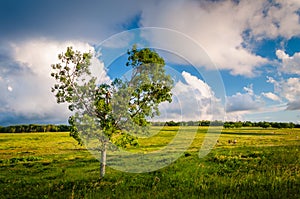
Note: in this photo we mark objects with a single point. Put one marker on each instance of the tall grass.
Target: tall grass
(264, 163)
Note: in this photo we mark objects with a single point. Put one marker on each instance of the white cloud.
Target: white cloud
(275, 18)
(288, 89)
(270, 113)
(290, 64)
(244, 101)
(193, 100)
(225, 29)
(246, 106)
(271, 96)
(272, 81)
(178, 46)
(198, 85)
(39, 54)
(10, 89)
(249, 90)
(235, 116)
(120, 40)
(217, 26)
(28, 93)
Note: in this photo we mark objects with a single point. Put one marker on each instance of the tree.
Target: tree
(265, 125)
(172, 123)
(247, 124)
(111, 114)
(238, 124)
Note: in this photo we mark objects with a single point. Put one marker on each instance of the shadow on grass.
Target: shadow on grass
(74, 150)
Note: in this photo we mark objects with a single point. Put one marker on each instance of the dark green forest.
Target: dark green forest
(237, 124)
(31, 128)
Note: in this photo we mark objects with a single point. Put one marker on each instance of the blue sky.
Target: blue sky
(241, 57)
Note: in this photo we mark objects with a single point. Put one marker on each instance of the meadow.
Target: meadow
(263, 163)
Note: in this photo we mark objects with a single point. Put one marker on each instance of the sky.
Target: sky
(229, 59)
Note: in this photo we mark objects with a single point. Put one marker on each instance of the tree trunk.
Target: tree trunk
(103, 161)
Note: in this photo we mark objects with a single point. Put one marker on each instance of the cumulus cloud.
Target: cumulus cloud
(290, 64)
(194, 100)
(289, 89)
(226, 29)
(26, 89)
(275, 18)
(241, 102)
(221, 32)
(222, 28)
(271, 96)
(244, 101)
(217, 26)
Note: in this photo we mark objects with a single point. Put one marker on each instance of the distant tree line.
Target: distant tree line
(237, 124)
(189, 123)
(263, 124)
(31, 128)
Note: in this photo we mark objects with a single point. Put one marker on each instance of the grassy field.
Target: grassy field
(264, 163)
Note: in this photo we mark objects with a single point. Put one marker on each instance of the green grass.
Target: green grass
(264, 163)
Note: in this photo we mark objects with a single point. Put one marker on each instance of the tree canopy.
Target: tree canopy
(111, 114)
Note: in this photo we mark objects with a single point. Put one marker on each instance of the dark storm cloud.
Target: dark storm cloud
(66, 19)
(12, 118)
(8, 66)
(295, 105)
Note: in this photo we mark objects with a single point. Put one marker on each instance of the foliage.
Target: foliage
(229, 124)
(29, 128)
(172, 123)
(263, 124)
(111, 114)
(66, 128)
(114, 111)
